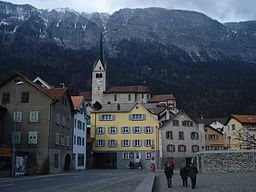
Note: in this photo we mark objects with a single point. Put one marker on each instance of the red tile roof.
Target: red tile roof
(56, 92)
(77, 100)
(128, 89)
(161, 98)
(87, 95)
(245, 118)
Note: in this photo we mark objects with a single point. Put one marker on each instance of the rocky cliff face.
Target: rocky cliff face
(209, 66)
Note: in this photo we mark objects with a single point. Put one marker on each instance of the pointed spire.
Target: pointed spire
(102, 55)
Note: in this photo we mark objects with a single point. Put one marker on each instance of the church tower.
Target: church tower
(99, 77)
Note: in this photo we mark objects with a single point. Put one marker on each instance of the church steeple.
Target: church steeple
(102, 55)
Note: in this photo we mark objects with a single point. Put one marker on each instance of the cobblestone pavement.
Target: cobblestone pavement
(225, 182)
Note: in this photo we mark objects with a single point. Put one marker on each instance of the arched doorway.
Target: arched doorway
(67, 163)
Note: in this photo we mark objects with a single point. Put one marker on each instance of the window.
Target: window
(32, 137)
(79, 124)
(33, 116)
(187, 123)
(182, 148)
(5, 98)
(181, 135)
(194, 135)
(83, 126)
(125, 130)
(56, 160)
(107, 117)
(67, 141)
(16, 137)
(100, 130)
(57, 138)
(58, 119)
(100, 143)
(112, 143)
(195, 148)
(75, 123)
(115, 98)
(82, 141)
(63, 121)
(137, 117)
(212, 137)
(170, 148)
(125, 143)
(17, 116)
(62, 140)
(142, 96)
(169, 135)
(175, 122)
(148, 155)
(79, 140)
(148, 129)
(80, 159)
(149, 142)
(137, 143)
(129, 97)
(125, 155)
(74, 139)
(112, 130)
(24, 97)
(233, 126)
(136, 130)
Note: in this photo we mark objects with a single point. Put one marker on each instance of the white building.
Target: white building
(80, 127)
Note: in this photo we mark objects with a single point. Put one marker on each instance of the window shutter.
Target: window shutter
(103, 143)
(133, 142)
(152, 142)
(130, 117)
(140, 129)
(145, 142)
(103, 130)
(109, 130)
(152, 129)
(133, 129)
(129, 142)
(116, 130)
(97, 130)
(122, 130)
(100, 117)
(144, 116)
(113, 117)
(140, 142)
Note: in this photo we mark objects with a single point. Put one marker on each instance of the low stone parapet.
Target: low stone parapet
(147, 183)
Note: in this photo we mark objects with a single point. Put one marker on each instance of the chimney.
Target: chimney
(62, 85)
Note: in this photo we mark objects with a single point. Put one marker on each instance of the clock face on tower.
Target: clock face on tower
(99, 81)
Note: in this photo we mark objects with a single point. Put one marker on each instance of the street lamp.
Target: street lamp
(13, 171)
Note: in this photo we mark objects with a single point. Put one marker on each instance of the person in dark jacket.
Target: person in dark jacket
(184, 175)
(168, 170)
(192, 172)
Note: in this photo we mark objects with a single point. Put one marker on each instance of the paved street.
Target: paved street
(226, 182)
(88, 180)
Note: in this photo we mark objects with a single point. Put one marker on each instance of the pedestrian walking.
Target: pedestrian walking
(184, 175)
(168, 170)
(192, 172)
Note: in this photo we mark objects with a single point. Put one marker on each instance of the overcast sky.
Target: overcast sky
(221, 10)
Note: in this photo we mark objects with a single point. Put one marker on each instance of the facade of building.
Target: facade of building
(40, 120)
(124, 133)
(214, 139)
(180, 139)
(242, 131)
(80, 131)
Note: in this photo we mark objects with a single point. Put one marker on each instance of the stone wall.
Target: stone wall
(226, 161)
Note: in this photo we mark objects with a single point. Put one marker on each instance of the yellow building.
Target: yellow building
(124, 133)
(242, 131)
(214, 139)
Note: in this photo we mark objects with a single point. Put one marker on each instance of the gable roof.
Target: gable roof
(216, 130)
(209, 121)
(244, 118)
(128, 89)
(161, 98)
(77, 100)
(87, 95)
(38, 80)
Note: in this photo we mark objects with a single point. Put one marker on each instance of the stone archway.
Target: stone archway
(67, 163)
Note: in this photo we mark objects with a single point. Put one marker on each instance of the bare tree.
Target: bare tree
(246, 138)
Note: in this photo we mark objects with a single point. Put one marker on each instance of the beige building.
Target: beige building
(180, 139)
(41, 121)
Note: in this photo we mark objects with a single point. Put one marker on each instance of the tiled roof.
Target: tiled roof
(245, 118)
(128, 89)
(87, 95)
(56, 92)
(117, 107)
(77, 100)
(161, 98)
